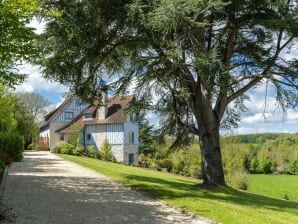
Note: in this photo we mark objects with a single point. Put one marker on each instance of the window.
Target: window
(68, 115)
(131, 118)
(61, 137)
(131, 137)
(88, 115)
(88, 137)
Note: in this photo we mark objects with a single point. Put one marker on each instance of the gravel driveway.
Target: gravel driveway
(43, 188)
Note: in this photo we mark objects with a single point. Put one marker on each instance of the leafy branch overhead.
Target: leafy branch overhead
(17, 39)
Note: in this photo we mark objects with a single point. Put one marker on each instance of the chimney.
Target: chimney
(103, 106)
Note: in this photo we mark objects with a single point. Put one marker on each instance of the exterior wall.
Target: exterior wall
(75, 106)
(118, 152)
(131, 126)
(115, 134)
(98, 134)
(112, 132)
(54, 136)
(131, 149)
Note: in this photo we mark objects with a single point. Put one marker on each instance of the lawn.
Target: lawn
(274, 185)
(225, 205)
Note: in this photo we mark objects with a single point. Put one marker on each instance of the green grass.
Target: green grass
(225, 205)
(276, 186)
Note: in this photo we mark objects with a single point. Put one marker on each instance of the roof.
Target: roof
(115, 114)
(49, 117)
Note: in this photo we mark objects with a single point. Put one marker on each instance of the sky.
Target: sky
(255, 120)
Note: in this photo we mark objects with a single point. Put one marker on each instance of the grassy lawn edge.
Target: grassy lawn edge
(225, 205)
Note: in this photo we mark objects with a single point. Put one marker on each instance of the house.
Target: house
(96, 122)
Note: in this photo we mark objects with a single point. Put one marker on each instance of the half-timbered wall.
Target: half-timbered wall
(75, 106)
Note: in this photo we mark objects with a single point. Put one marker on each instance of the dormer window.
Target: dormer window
(68, 115)
(87, 115)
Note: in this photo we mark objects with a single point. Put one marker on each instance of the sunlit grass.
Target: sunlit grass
(225, 205)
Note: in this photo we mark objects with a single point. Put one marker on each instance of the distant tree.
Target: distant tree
(147, 137)
(200, 57)
(28, 107)
(16, 38)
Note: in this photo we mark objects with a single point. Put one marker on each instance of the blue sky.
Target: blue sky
(253, 121)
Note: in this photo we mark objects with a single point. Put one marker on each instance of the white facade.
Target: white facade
(118, 135)
(123, 137)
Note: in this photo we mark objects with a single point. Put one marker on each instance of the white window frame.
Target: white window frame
(67, 117)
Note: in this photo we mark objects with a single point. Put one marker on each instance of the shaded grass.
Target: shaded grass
(274, 185)
(225, 205)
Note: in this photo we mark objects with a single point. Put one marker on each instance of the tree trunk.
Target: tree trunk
(213, 174)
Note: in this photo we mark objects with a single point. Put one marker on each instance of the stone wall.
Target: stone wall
(117, 151)
(131, 148)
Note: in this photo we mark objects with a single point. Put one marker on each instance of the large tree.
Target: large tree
(29, 107)
(16, 38)
(201, 57)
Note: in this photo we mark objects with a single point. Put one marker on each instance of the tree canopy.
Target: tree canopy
(199, 57)
(16, 38)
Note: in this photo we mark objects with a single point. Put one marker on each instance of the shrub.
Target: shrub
(238, 179)
(32, 146)
(91, 151)
(63, 147)
(78, 151)
(165, 164)
(66, 148)
(106, 151)
(12, 146)
(56, 149)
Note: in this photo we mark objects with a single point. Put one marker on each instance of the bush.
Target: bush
(238, 179)
(12, 146)
(66, 148)
(106, 151)
(32, 146)
(91, 151)
(165, 164)
(63, 147)
(56, 149)
(78, 151)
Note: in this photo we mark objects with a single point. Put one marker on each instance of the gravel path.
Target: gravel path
(46, 189)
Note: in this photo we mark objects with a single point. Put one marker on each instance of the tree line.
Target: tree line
(268, 153)
(19, 113)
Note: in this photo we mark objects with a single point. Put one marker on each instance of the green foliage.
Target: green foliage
(92, 152)
(32, 146)
(29, 107)
(106, 151)
(64, 148)
(75, 136)
(200, 56)
(78, 150)
(238, 179)
(56, 148)
(16, 37)
(11, 142)
(11, 145)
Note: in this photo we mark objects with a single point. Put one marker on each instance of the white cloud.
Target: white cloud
(35, 81)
